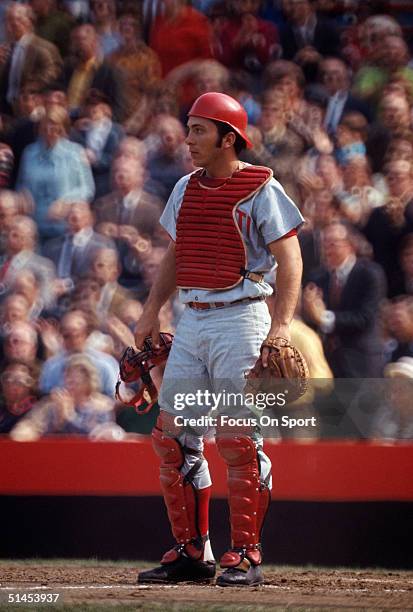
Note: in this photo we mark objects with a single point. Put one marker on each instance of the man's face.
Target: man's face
(19, 237)
(334, 76)
(84, 42)
(171, 136)
(128, 175)
(17, 22)
(16, 309)
(400, 321)
(399, 177)
(105, 267)
(79, 217)
(396, 53)
(8, 210)
(406, 261)
(298, 10)
(202, 140)
(20, 345)
(74, 333)
(28, 101)
(395, 112)
(336, 246)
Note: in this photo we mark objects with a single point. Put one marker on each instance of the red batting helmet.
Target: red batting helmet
(220, 107)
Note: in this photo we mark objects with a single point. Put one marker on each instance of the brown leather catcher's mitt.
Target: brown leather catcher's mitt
(285, 363)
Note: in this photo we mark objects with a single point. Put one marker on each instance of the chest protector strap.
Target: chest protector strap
(210, 249)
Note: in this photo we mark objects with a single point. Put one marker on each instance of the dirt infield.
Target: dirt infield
(90, 585)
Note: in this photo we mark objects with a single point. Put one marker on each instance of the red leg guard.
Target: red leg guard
(248, 500)
(188, 515)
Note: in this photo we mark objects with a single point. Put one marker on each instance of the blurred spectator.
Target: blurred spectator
(165, 163)
(24, 130)
(304, 28)
(388, 224)
(393, 119)
(139, 64)
(100, 137)
(350, 137)
(75, 331)
(336, 78)
(320, 209)
(15, 307)
(25, 56)
(394, 113)
(9, 208)
(179, 34)
(393, 419)
(400, 147)
(342, 302)
(387, 61)
(76, 407)
(280, 139)
(30, 284)
(87, 70)
(104, 20)
(53, 24)
(79, 9)
(289, 79)
(245, 41)
(397, 317)
(21, 344)
(129, 208)
(73, 253)
(361, 192)
(406, 263)
(18, 394)
(54, 171)
(6, 165)
(106, 270)
(20, 256)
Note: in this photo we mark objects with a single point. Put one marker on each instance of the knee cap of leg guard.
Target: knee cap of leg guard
(236, 450)
(168, 449)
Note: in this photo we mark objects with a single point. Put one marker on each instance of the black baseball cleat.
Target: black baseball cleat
(183, 569)
(233, 577)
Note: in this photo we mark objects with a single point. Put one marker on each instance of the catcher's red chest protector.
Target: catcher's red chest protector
(210, 250)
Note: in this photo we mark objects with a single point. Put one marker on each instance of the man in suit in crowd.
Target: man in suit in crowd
(26, 57)
(342, 300)
(100, 136)
(74, 252)
(20, 255)
(106, 270)
(86, 70)
(304, 28)
(335, 76)
(129, 205)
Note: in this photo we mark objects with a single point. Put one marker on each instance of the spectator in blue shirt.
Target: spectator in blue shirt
(54, 170)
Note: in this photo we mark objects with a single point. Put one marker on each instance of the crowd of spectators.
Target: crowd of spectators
(93, 103)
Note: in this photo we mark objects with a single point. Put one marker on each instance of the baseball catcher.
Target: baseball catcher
(229, 224)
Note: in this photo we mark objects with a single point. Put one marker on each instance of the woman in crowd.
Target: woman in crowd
(76, 408)
(54, 170)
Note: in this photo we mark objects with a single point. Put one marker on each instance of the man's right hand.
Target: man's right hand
(147, 325)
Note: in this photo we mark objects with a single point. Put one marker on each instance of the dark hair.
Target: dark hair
(223, 130)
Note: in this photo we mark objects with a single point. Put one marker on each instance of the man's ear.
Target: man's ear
(228, 140)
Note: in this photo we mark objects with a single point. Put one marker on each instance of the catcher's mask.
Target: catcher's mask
(135, 366)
